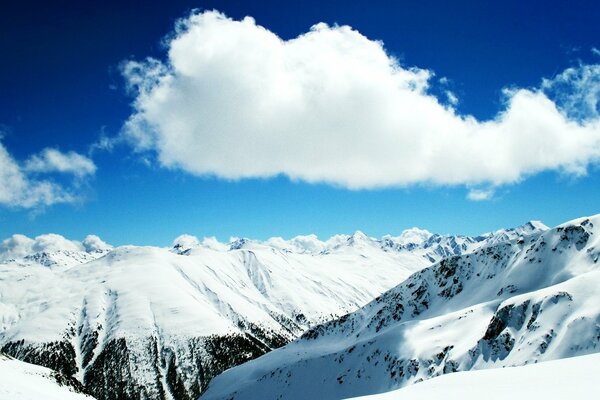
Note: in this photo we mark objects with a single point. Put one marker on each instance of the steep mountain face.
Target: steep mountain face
(531, 299)
(23, 381)
(436, 247)
(155, 323)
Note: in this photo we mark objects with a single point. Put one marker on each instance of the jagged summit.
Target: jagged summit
(536, 225)
(432, 247)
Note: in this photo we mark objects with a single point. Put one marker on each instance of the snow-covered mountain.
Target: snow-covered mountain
(23, 381)
(436, 247)
(570, 378)
(432, 247)
(531, 299)
(159, 323)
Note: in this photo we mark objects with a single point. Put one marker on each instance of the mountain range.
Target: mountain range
(160, 323)
(511, 303)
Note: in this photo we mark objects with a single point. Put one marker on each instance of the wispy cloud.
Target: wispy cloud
(480, 194)
(52, 160)
(576, 91)
(29, 184)
(234, 100)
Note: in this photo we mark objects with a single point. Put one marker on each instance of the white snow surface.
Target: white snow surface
(201, 287)
(136, 290)
(534, 298)
(24, 381)
(570, 378)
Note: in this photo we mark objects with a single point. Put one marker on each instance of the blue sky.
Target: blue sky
(63, 88)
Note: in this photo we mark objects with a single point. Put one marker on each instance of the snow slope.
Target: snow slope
(570, 378)
(532, 299)
(23, 381)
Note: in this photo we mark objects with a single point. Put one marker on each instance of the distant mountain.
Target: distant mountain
(159, 323)
(51, 251)
(23, 381)
(533, 298)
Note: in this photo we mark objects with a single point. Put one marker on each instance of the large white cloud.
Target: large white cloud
(234, 100)
(22, 186)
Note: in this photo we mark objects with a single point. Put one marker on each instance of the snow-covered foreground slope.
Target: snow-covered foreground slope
(532, 299)
(571, 378)
(159, 323)
(23, 381)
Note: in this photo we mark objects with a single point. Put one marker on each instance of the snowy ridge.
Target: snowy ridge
(532, 299)
(432, 247)
(23, 381)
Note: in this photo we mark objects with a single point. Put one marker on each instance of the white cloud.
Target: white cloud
(235, 101)
(577, 91)
(18, 188)
(52, 160)
(212, 243)
(452, 99)
(18, 246)
(51, 242)
(93, 243)
(480, 194)
(186, 241)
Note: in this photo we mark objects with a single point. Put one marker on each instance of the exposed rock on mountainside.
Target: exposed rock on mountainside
(532, 299)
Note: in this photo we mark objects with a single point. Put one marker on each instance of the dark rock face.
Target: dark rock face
(144, 368)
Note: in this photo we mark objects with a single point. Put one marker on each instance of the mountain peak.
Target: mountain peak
(238, 243)
(534, 225)
(360, 235)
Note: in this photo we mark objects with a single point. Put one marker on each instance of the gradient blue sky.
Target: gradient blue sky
(61, 87)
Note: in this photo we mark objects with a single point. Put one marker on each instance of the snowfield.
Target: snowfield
(532, 299)
(570, 378)
(23, 381)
